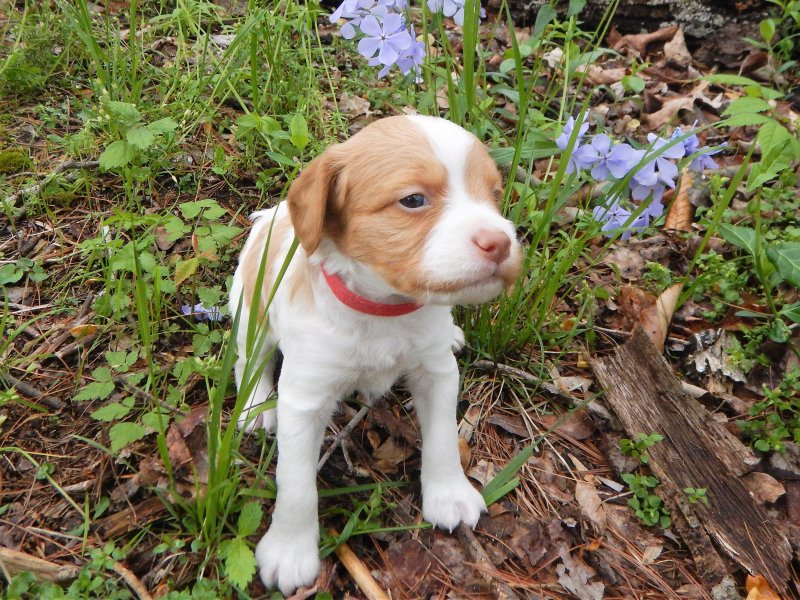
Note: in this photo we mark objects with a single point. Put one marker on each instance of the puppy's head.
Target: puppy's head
(416, 200)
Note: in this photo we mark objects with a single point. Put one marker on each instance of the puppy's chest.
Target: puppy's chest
(377, 363)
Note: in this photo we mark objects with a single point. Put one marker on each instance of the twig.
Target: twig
(359, 572)
(66, 165)
(359, 416)
(132, 581)
(488, 365)
(13, 562)
(500, 589)
(32, 392)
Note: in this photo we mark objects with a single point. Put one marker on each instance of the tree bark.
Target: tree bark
(697, 18)
(696, 452)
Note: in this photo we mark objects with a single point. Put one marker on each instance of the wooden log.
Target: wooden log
(646, 397)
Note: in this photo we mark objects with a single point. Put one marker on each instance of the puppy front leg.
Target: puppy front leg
(288, 555)
(447, 497)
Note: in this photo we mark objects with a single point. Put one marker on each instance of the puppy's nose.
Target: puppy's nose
(493, 244)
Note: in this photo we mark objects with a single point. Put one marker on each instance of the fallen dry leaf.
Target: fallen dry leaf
(640, 41)
(577, 425)
(671, 106)
(681, 212)
(574, 575)
(591, 505)
(390, 454)
(651, 554)
(675, 50)
(599, 76)
(765, 489)
(758, 589)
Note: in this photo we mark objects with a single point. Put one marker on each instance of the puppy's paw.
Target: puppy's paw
(288, 561)
(447, 503)
(459, 341)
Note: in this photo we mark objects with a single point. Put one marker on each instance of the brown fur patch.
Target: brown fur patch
(252, 257)
(365, 220)
(483, 179)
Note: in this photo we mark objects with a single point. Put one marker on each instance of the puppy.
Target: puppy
(395, 226)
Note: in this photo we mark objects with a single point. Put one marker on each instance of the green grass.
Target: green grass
(197, 118)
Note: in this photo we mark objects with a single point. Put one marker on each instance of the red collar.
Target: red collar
(364, 305)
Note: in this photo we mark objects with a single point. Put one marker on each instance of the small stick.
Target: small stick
(359, 572)
(32, 392)
(133, 582)
(359, 416)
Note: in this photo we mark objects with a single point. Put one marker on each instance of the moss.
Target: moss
(13, 161)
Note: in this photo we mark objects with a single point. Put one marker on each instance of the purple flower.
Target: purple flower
(614, 217)
(617, 159)
(583, 157)
(350, 9)
(660, 165)
(201, 313)
(452, 8)
(701, 157)
(386, 40)
(562, 141)
(412, 57)
(394, 5)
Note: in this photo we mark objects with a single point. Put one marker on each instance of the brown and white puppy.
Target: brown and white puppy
(395, 226)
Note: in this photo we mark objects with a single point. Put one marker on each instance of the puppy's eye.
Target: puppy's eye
(414, 201)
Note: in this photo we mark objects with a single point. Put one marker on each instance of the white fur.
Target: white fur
(331, 350)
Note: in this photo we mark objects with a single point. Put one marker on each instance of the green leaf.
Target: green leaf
(185, 269)
(121, 361)
(117, 154)
(154, 421)
(111, 412)
(240, 562)
(123, 434)
(792, 312)
(208, 209)
(747, 120)
(249, 518)
(141, 137)
(162, 126)
(282, 159)
(249, 121)
(746, 104)
(298, 131)
(575, 7)
(724, 79)
(544, 17)
(770, 166)
(633, 83)
(786, 258)
(741, 237)
(125, 112)
(10, 273)
(767, 30)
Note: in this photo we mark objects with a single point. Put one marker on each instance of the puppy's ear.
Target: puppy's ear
(309, 198)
